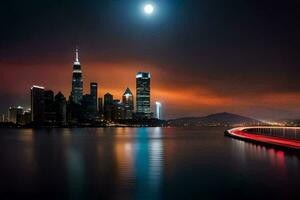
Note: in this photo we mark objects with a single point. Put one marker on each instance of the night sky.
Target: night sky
(205, 56)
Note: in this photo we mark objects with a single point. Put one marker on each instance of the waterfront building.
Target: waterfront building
(74, 112)
(158, 110)
(118, 112)
(2, 118)
(94, 95)
(77, 83)
(49, 115)
(60, 109)
(143, 95)
(100, 106)
(14, 114)
(108, 106)
(87, 104)
(37, 104)
(127, 101)
(25, 118)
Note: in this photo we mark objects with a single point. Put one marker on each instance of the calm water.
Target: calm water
(142, 163)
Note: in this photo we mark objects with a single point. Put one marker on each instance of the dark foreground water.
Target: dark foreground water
(142, 163)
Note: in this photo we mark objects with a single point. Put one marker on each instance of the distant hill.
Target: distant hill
(219, 119)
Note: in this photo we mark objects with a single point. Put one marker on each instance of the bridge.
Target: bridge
(288, 137)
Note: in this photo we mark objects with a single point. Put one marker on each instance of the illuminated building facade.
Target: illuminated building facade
(14, 114)
(158, 111)
(25, 118)
(77, 83)
(118, 111)
(143, 95)
(127, 100)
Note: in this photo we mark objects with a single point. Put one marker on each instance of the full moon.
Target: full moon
(149, 9)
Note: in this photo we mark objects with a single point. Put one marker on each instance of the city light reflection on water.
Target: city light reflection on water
(141, 163)
(259, 152)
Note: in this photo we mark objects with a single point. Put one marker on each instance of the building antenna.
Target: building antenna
(77, 54)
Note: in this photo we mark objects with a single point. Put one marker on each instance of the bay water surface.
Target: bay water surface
(142, 163)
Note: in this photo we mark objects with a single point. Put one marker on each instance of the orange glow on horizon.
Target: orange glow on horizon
(115, 78)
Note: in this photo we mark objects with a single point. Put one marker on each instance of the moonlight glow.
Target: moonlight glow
(149, 9)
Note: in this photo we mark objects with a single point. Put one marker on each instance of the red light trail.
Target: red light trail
(242, 134)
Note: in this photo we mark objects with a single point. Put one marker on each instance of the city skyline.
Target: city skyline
(86, 109)
(149, 99)
(222, 64)
(91, 101)
(117, 93)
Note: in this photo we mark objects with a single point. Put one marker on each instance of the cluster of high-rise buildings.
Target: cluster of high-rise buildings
(50, 109)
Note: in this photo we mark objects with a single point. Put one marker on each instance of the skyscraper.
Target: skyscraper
(118, 110)
(143, 95)
(127, 100)
(94, 95)
(108, 106)
(158, 112)
(77, 83)
(37, 104)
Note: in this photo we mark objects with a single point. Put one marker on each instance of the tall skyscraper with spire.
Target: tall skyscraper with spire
(77, 83)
